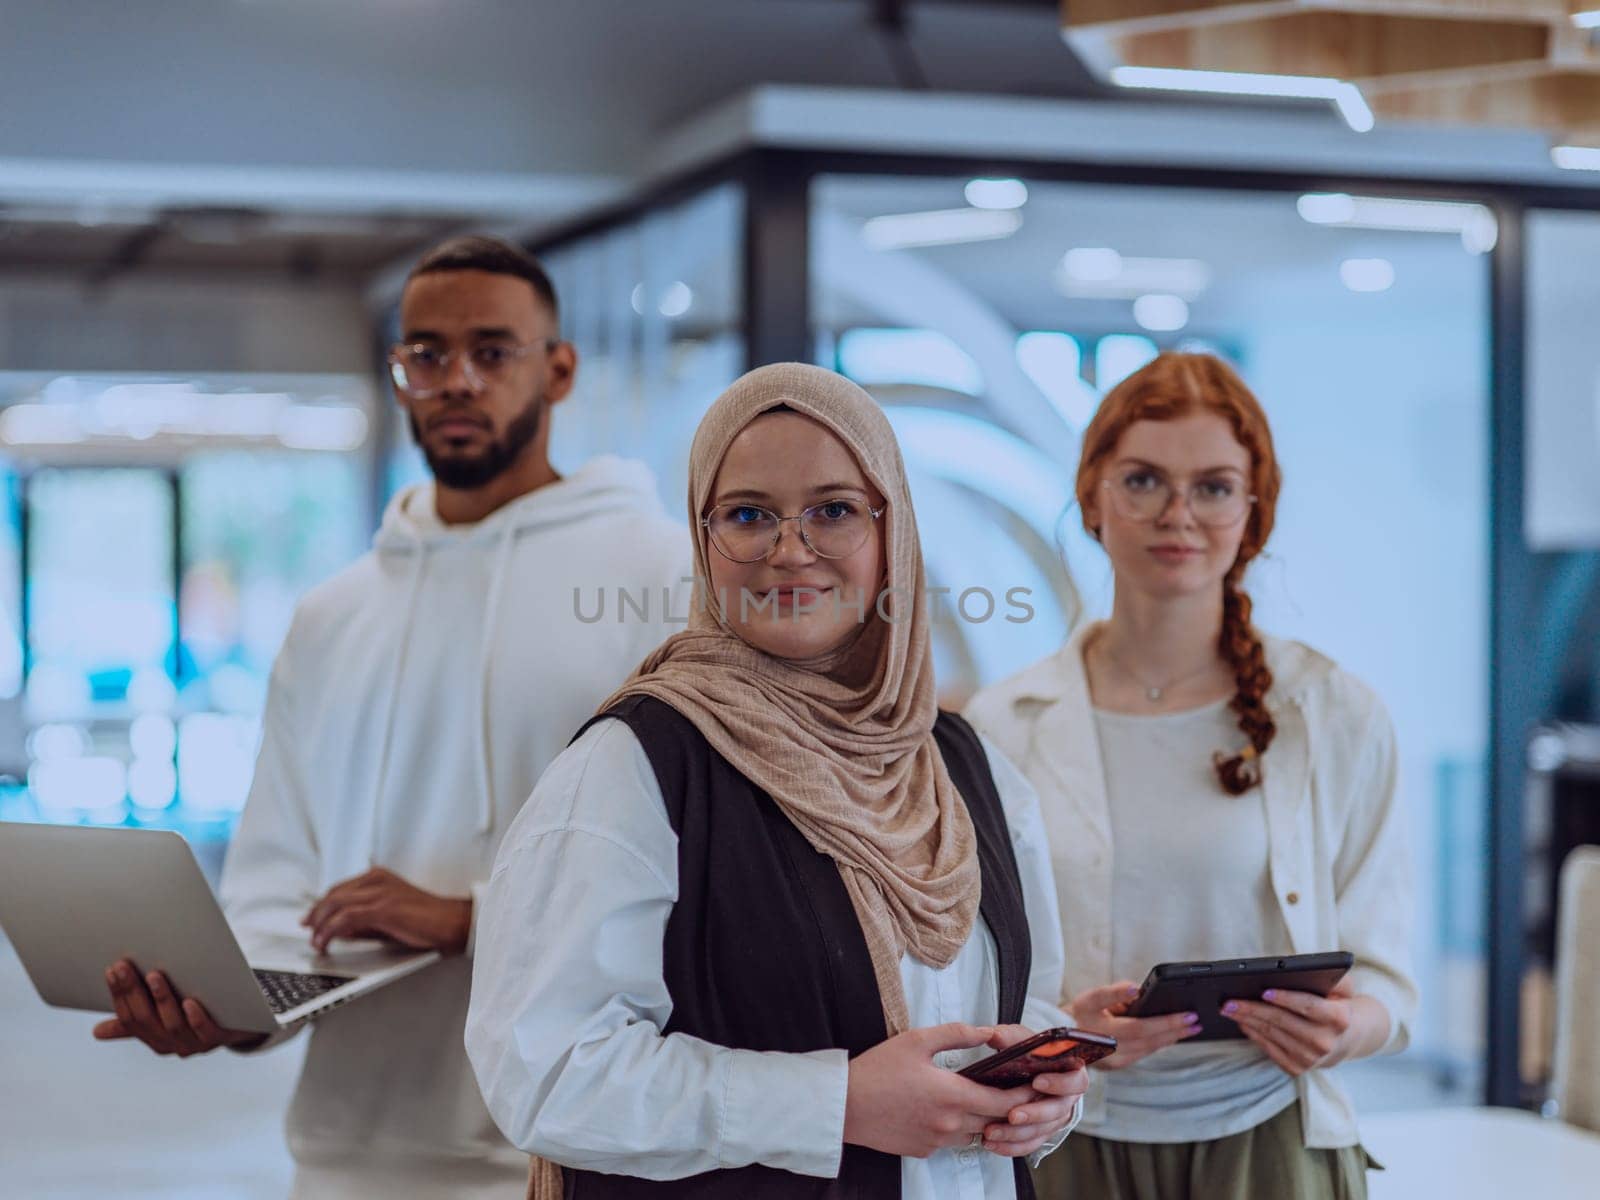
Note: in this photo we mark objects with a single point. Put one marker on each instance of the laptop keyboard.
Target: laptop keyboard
(290, 989)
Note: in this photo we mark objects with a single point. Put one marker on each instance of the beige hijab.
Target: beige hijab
(842, 743)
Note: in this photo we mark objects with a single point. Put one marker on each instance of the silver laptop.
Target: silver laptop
(75, 899)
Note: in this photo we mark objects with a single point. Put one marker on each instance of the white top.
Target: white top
(568, 999)
(1336, 847)
(400, 731)
(1189, 881)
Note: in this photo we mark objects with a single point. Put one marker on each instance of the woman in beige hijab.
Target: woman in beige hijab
(765, 902)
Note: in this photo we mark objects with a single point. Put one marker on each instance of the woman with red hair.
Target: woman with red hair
(1209, 792)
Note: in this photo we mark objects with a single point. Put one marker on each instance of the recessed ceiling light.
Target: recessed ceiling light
(943, 227)
(675, 301)
(1091, 264)
(1100, 273)
(1161, 313)
(1473, 223)
(1367, 274)
(322, 427)
(41, 425)
(997, 193)
(186, 414)
(1576, 158)
(1345, 97)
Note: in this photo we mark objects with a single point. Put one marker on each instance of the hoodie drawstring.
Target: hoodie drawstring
(491, 614)
(606, 484)
(392, 701)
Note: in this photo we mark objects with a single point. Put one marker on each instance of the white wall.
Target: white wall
(1563, 381)
(55, 323)
(1380, 559)
(468, 85)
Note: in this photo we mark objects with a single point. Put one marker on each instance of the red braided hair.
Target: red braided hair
(1179, 385)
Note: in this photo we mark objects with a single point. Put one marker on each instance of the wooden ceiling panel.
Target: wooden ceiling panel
(1341, 45)
(1495, 62)
(1562, 100)
(1114, 17)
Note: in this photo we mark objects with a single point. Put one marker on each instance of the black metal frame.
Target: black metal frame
(24, 548)
(176, 565)
(775, 274)
(1512, 607)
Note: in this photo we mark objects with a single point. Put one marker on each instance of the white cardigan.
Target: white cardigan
(1339, 863)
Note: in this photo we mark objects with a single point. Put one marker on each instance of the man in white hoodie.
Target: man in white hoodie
(417, 698)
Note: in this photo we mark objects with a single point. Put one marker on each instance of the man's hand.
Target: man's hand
(381, 904)
(148, 1009)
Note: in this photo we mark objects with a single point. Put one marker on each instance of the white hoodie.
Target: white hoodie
(416, 700)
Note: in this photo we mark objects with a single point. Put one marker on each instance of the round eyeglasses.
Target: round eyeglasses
(746, 533)
(421, 369)
(1217, 501)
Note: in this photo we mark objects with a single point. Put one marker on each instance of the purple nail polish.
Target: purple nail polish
(1269, 994)
(1230, 1008)
(1192, 1018)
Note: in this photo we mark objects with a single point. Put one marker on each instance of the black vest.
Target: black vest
(763, 950)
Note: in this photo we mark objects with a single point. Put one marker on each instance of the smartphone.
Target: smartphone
(1050, 1051)
(1204, 987)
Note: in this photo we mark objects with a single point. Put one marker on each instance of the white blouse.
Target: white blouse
(1189, 881)
(568, 999)
(1337, 860)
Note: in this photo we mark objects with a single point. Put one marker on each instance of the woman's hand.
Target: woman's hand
(899, 1102)
(1028, 1127)
(1100, 1010)
(1300, 1031)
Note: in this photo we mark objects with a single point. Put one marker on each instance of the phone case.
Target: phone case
(1052, 1050)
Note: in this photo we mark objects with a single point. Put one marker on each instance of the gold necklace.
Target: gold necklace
(1153, 692)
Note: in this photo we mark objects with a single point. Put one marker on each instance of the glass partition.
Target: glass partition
(655, 308)
(99, 569)
(1561, 476)
(991, 341)
(170, 528)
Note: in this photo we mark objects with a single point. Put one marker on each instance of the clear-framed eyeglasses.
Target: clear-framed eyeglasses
(421, 368)
(1216, 501)
(747, 533)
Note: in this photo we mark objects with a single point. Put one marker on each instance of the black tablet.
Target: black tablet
(1204, 987)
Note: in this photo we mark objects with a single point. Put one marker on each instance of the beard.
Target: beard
(468, 473)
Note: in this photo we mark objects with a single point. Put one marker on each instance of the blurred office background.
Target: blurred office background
(205, 212)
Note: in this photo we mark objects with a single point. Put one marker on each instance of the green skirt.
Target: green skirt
(1268, 1162)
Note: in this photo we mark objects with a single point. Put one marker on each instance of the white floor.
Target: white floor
(82, 1119)
(1480, 1154)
